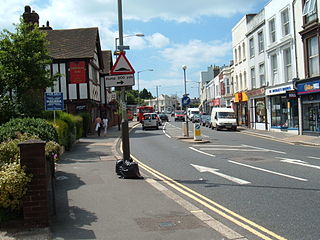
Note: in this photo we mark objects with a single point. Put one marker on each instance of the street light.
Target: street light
(116, 52)
(138, 82)
(184, 67)
(157, 88)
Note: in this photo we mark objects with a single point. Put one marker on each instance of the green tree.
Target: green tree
(24, 76)
(145, 94)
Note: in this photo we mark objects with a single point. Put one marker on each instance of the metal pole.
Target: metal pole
(185, 93)
(138, 89)
(157, 98)
(124, 123)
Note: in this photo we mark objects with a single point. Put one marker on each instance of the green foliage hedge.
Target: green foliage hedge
(32, 126)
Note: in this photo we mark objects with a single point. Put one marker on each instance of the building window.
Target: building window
(253, 78)
(260, 42)
(260, 110)
(310, 10)
(235, 56)
(228, 85)
(274, 69)
(244, 51)
(262, 75)
(284, 112)
(272, 30)
(245, 80)
(313, 56)
(287, 64)
(251, 46)
(285, 22)
(239, 53)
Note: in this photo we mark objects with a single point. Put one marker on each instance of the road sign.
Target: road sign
(119, 80)
(122, 65)
(185, 101)
(197, 132)
(53, 101)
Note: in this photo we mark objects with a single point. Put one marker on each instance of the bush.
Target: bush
(32, 126)
(71, 132)
(79, 126)
(52, 150)
(13, 185)
(9, 152)
(62, 130)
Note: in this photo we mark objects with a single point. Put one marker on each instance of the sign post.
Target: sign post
(53, 101)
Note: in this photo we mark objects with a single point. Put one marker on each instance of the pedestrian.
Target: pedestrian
(105, 124)
(98, 125)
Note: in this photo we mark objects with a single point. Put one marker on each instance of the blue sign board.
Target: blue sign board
(185, 101)
(53, 101)
(308, 87)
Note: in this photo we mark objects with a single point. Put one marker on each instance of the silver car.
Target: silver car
(150, 120)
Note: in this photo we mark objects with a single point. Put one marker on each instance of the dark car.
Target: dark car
(163, 117)
(205, 120)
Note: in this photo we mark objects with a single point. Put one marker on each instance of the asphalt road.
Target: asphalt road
(271, 187)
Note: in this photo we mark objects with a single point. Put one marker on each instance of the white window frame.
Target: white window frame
(287, 62)
(253, 78)
(251, 47)
(272, 30)
(260, 42)
(309, 7)
(313, 57)
(274, 68)
(262, 78)
(244, 51)
(285, 22)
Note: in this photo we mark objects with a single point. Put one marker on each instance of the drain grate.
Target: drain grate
(167, 224)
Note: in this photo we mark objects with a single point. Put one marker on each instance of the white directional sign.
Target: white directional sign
(119, 80)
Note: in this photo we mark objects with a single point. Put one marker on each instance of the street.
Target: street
(260, 188)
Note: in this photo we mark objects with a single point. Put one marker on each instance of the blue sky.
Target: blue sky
(195, 33)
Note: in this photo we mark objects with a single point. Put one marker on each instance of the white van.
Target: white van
(191, 112)
(223, 118)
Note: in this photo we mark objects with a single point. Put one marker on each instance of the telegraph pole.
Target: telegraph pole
(124, 122)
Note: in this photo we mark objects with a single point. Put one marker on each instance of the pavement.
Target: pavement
(92, 202)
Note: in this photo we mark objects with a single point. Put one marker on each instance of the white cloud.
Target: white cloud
(157, 40)
(196, 53)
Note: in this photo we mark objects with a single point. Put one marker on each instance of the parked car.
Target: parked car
(150, 120)
(205, 120)
(179, 115)
(163, 117)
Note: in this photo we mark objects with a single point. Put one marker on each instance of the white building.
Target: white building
(280, 50)
(164, 103)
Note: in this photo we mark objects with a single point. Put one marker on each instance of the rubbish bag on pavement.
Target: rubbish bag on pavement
(128, 169)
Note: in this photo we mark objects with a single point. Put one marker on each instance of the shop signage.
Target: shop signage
(256, 92)
(309, 87)
(291, 94)
(77, 72)
(216, 102)
(279, 90)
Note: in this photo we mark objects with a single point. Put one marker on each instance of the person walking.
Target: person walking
(98, 125)
(105, 124)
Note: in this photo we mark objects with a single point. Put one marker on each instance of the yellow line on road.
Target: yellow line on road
(224, 212)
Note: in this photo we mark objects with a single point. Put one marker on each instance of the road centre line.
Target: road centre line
(213, 206)
(233, 149)
(269, 150)
(194, 149)
(269, 171)
(314, 157)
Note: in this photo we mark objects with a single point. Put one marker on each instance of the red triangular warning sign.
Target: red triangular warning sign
(122, 65)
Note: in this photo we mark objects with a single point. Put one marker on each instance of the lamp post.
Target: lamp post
(157, 90)
(138, 82)
(116, 52)
(184, 67)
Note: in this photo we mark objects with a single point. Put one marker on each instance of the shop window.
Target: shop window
(284, 112)
(260, 110)
(311, 113)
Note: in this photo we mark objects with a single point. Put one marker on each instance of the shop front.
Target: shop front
(241, 108)
(309, 93)
(283, 108)
(258, 109)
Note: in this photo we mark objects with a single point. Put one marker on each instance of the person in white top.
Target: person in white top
(105, 124)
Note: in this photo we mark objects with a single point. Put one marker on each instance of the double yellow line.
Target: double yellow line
(235, 218)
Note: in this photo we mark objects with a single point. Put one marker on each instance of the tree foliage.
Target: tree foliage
(24, 75)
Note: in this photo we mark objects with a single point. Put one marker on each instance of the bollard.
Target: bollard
(197, 132)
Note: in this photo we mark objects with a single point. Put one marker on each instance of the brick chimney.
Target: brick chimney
(30, 17)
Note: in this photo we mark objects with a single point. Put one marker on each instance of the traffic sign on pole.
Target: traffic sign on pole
(185, 101)
(119, 80)
(122, 65)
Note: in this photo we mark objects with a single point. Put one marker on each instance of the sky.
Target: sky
(194, 33)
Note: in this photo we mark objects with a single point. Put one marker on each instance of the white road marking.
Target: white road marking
(211, 155)
(298, 162)
(233, 149)
(210, 145)
(269, 171)
(215, 171)
(164, 130)
(314, 157)
(269, 150)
